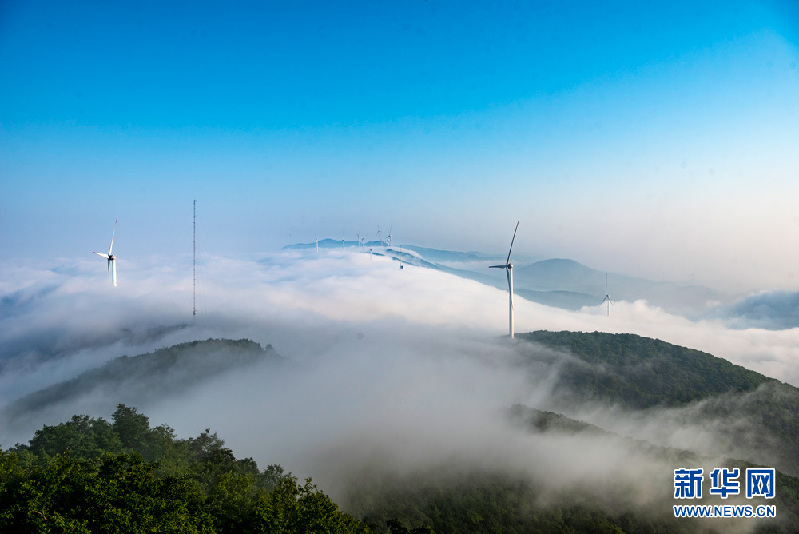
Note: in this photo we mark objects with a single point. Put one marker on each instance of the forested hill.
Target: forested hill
(641, 372)
(92, 476)
(638, 373)
(156, 374)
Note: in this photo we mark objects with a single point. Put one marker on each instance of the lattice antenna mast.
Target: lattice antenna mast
(194, 264)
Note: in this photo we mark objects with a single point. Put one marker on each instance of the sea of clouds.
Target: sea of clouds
(397, 370)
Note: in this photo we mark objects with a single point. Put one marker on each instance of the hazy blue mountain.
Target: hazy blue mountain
(568, 300)
(573, 277)
(775, 310)
(323, 243)
(441, 256)
(567, 284)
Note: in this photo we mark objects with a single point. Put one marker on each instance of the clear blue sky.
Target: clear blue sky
(652, 138)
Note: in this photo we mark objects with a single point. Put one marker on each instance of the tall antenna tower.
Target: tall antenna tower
(194, 265)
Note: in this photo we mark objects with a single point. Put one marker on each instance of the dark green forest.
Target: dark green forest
(639, 373)
(91, 475)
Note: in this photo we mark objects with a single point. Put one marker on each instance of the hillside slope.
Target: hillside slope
(756, 415)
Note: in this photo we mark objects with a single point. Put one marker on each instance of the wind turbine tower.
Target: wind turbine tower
(194, 263)
(112, 260)
(508, 266)
(607, 295)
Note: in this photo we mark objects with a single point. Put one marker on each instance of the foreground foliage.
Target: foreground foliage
(89, 475)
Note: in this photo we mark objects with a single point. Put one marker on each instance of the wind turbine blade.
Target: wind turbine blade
(114, 272)
(101, 254)
(493, 266)
(511, 242)
(112, 238)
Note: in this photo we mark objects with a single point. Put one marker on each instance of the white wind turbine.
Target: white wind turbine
(509, 267)
(607, 295)
(112, 260)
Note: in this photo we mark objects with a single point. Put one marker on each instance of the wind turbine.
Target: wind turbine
(389, 235)
(317, 245)
(607, 295)
(509, 267)
(112, 260)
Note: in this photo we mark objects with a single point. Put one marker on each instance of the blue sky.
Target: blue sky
(656, 139)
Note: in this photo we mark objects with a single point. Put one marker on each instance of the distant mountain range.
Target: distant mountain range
(557, 282)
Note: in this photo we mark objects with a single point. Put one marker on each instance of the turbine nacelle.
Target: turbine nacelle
(111, 259)
(607, 295)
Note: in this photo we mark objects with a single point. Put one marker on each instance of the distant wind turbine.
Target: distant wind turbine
(389, 235)
(607, 295)
(112, 260)
(317, 245)
(508, 266)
